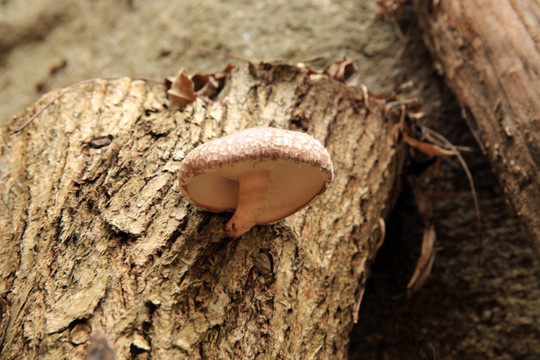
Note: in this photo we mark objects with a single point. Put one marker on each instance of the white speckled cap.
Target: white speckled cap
(300, 170)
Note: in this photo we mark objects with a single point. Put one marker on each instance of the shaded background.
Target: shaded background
(468, 309)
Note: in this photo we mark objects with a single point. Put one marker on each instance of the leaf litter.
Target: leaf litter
(432, 144)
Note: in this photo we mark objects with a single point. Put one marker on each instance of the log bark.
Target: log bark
(99, 252)
(489, 53)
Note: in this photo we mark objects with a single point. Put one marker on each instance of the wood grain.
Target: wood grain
(489, 54)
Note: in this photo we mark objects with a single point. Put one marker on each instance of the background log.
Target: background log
(489, 53)
(98, 241)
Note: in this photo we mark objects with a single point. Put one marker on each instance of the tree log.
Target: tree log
(489, 53)
(99, 251)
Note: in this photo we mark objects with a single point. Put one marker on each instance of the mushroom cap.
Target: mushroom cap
(299, 171)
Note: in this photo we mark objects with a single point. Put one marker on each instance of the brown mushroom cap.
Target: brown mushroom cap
(299, 171)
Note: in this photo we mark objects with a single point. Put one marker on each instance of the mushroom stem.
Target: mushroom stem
(252, 187)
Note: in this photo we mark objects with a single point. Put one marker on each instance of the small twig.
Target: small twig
(60, 94)
(401, 103)
(430, 137)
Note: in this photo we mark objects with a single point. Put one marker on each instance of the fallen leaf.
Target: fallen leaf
(427, 253)
(358, 302)
(425, 261)
(341, 70)
(209, 85)
(181, 91)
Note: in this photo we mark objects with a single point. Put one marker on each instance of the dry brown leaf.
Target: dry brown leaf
(199, 81)
(425, 261)
(427, 253)
(181, 90)
(341, 70)
(209, 85)
(205, 85)
(359, 302)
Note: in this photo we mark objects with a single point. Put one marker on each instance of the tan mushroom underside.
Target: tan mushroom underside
(291, 186)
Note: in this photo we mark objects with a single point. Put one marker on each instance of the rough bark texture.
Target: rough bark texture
(488, 51)
(97, 238)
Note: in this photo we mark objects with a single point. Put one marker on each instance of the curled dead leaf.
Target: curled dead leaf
(181, 91)
(425, 261)
(342, 70)
(209, 85)
(427, 253)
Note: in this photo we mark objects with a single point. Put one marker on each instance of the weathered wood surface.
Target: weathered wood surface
(489, 53)
(97, 241)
